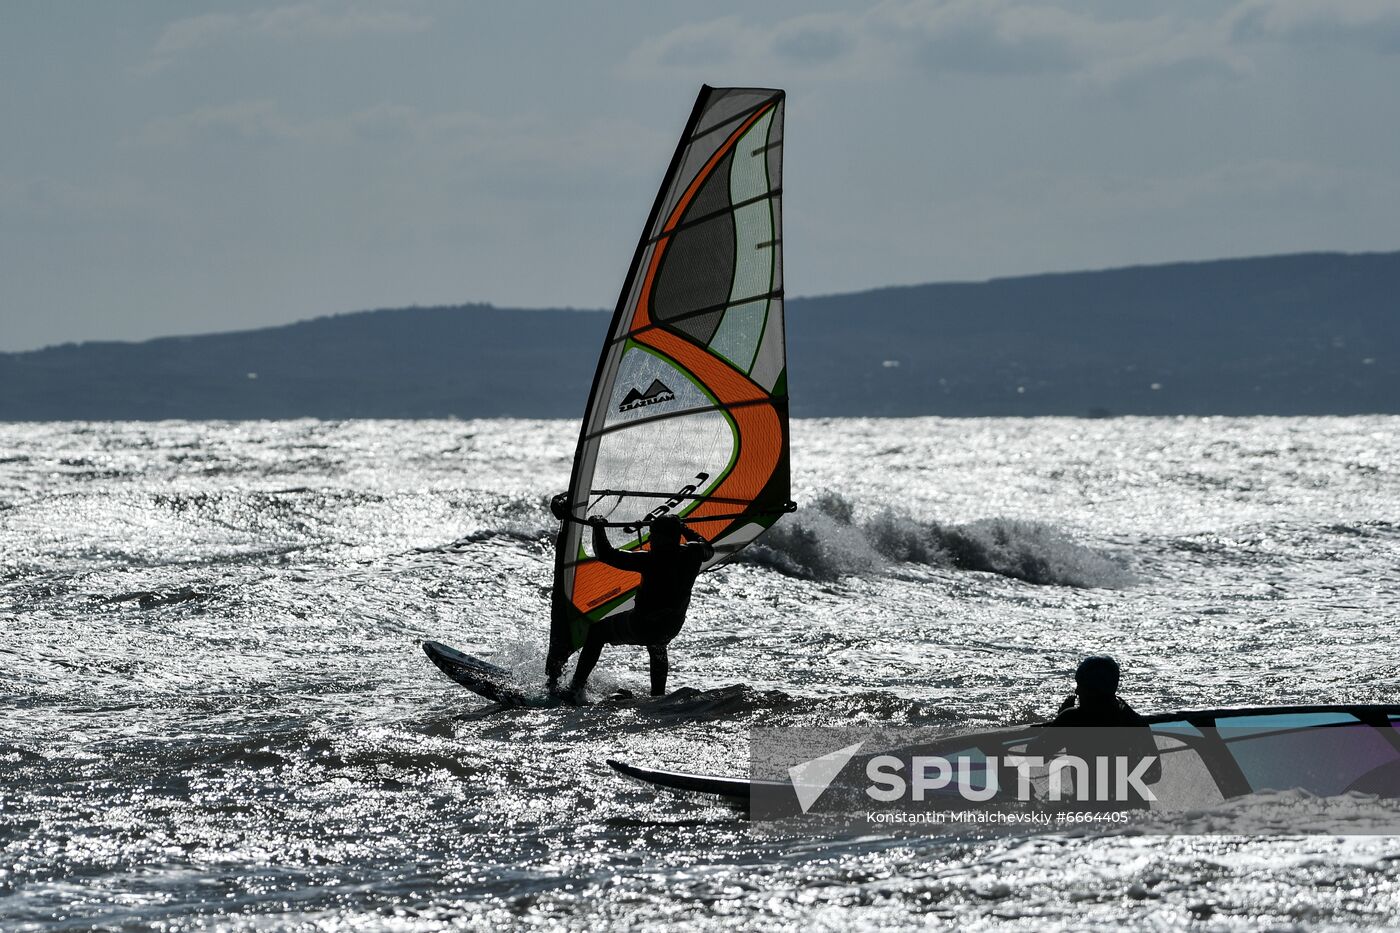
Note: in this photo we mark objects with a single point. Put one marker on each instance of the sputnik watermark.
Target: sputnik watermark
(1100, 780)
(1267, 775)
(997, 818)
(811, 778)
(1103, 779)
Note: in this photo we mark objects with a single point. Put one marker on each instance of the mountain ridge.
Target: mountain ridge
(1306, 333)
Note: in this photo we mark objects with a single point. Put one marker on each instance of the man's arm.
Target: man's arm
(1050, 741)
(697, 540)
(604, 551)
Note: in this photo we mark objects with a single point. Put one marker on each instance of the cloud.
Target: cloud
(308, 20)
(989, 37)
(1016, 38)
(316, 21)
(248, 120)
(195, 32)
(1367, 24)
(836, 43)
(520, 142)
(813, 40)
(40, 202)
(699, 45)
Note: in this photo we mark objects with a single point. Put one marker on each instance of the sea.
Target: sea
(217, 715)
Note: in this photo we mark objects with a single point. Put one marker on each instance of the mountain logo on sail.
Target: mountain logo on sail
(656, 392)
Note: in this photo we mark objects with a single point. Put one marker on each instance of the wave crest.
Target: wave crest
(825, 541)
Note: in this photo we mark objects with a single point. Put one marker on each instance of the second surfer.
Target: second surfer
(668, 572)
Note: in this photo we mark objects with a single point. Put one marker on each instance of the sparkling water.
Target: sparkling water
(217, 716)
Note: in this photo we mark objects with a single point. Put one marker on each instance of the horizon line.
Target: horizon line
(815, 297)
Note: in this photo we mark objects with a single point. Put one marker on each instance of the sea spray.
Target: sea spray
(826, 541)
(1030, 551)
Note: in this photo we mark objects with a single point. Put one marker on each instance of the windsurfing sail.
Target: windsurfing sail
(688, 411)
(1206, 756)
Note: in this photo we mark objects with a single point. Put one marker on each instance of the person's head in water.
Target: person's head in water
(665, 533)
(1096, 678)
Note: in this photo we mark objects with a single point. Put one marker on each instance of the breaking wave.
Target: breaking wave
(826, 541)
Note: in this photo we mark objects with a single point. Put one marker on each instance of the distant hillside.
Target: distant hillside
(1302, 334)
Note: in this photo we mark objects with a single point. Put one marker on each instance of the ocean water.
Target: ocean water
(216, 715)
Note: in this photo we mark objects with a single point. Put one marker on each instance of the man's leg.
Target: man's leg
(588, 657)
(553, 667)
(660, 667)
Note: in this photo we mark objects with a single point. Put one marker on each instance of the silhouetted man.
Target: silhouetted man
(668, 572)
(1095, 704)
(1095, 700)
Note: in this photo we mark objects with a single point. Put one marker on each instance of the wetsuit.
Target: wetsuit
(1090, 711)
(662, 600)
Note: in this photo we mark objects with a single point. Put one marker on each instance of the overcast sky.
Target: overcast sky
(176, 167)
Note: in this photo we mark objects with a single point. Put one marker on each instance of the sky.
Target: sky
(185, 167)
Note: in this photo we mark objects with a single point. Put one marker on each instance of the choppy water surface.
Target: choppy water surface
(216, 715)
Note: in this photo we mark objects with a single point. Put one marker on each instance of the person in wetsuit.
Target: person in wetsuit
(1094, 704)
(1095, 700)
(668, 572)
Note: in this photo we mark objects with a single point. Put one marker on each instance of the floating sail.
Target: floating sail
(688, 411)
(1206, 756)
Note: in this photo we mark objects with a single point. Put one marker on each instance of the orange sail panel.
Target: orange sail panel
(688, 412)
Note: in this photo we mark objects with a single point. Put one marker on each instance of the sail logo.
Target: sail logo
(656, 392)
(686, 492)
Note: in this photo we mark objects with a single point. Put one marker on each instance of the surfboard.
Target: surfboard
(733, 789)
(483, 678)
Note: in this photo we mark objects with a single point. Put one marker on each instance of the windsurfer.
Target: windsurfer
(1095, 703)
(668, 572)
(1095, 700)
